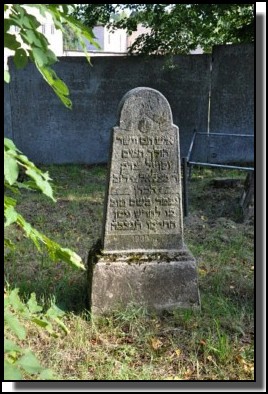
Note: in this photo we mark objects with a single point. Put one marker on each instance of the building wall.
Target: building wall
(93, 53)
(115, 41)
(99, 32)
(109, 41)
(47, 27)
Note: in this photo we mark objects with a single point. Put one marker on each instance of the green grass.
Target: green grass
(216, 343)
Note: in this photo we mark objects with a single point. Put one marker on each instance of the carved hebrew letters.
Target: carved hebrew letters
(144, 196)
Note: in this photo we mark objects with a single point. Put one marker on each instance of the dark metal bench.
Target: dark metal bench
(217, 150)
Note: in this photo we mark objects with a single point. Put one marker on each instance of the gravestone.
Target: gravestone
(142, 258)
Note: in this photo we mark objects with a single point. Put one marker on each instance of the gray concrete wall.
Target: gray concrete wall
(7, 113)
(47, 132)
(232, 89)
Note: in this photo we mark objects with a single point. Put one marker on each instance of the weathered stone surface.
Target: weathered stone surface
(158, 284)
(142, 258)
(144, 206)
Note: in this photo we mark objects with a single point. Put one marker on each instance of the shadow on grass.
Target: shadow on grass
(80, 224)
(71, 299)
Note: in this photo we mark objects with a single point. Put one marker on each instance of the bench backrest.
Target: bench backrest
(219, 148)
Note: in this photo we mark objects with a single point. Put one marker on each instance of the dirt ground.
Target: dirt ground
(218, 206)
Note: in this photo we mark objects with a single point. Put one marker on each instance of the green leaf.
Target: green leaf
(47, 374)
(11, 216)
(65, 8)
(54, 313)
(46, 176)
(24, 159)
(20, 58)
(29, 363)
(30, 21)
(32, 304)
(48, 74)
(7, 24)
(14, 324)
(40, 56)
(70, 257)
(11, 42)
(11, 168)
(16, 302)
(14, 188)
(10, 346)
(6, 76)
(65, 100)
(55, 250)
(51, 56)
(61, 87)
(41, 323)
(9, 201)
(61, 324)
(9, 144)
(11, 372)
(43, 184)
(54, 310)
(31, 232)
(29, 185)
(9, 244)
(44, 323)
(30, 36)
(50, 77)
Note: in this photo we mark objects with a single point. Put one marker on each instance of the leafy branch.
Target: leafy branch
(17, 360)
(13, 158)
(30, 44)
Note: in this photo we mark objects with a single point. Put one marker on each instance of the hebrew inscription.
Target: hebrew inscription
(144, 209)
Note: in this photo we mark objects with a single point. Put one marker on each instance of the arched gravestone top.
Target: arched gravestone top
(144, 109)
(144, 206)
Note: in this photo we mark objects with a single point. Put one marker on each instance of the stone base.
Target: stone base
(158, 281)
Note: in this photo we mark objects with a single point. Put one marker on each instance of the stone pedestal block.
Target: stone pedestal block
(157, 281)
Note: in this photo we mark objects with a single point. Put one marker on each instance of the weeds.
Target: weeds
(216, 343)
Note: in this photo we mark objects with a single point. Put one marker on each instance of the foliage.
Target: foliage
(13, 158)
(19, 361)
(94, 14)
(177, 28)
(31, 44)
(70, 41)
